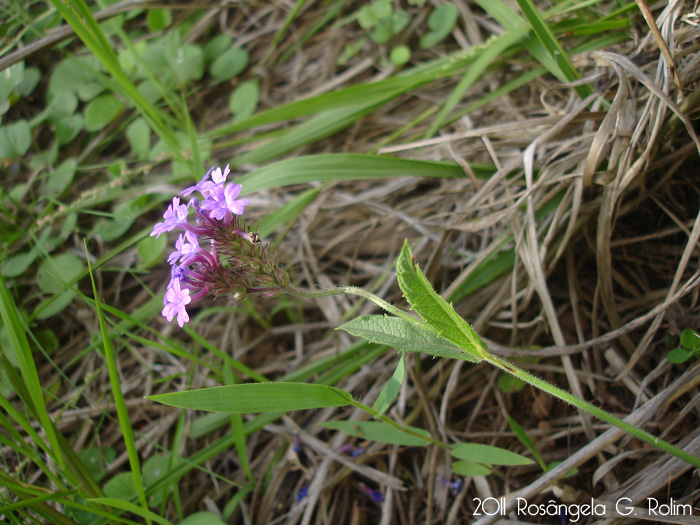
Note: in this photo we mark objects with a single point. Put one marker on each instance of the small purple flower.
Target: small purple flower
(454, 485)
(205, 185)
(351, 450)
(175, 216)
(184, 249)
(303, 492)
(222, 201)
(376, 495)
(176, 299)
(297, 443)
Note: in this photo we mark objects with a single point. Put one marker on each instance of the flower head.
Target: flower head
(176, 299)
(205, 185)
(222, 201)
(175, 216)
(184, 246)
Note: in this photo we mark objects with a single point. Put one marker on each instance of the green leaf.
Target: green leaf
(202, 518)
(690, 339)
(441, 22)
(158, 19)
(217, 46)
(150, 250)
(61, 177)
(62, 106)
(679, 355)
(341, 167)
(125, 505)
(187, 64)
(139, 136)
(391, 389)
(438, 314)
(53, 272)
(509, 384)
(97, 460)
(404, 336)
(257, 397)
(101, 111)
(525, 440)
(244, 100)
(17, 264)
(72, 73)
(15, 139)
(380, 432)
(469, 468)
(68, 128)
(488, 454)
(31, 78)
(229, 64)
(400, 55)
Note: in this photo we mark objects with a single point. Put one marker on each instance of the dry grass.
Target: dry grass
(598, 199)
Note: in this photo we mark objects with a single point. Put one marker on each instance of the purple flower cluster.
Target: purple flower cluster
(234, 256)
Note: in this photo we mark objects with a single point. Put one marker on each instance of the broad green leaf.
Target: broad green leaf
(441, 22)
(138, 133)
(488, 454)
(187, 64)
(391, 389)
(71, 74)
(150, 250)
(335, 167)
(121, 487)
(404, 336)
(257, 397)
(15, 139)
(17, 264)
(690, 339)
(61, 177)
(510, 384)
(202, 518)
(101, 111)
(68, 128)
(217, 46)
(61, 106)
(97, 460)
(229, 64)
(678, 355)
(155, 468)
(469, 468)
(380, 431)
(9, 79)
(55, 271)
(32, 76)
(437, 313)
(400, 55)
(158, 19)
(244, 100)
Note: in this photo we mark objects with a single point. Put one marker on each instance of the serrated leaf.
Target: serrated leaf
(229, 64)
(101, 111)
(469, 468)
(380, 431)
(487, 454)
(250, 398)
(404, 336)
(437, 313)
(391, 389)
(15, 139)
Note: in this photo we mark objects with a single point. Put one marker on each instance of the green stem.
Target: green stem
(593, 410)
(507, 367)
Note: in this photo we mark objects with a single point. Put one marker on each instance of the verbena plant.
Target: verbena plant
(237, 263)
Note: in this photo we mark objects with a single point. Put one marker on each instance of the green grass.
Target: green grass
(101, 129)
